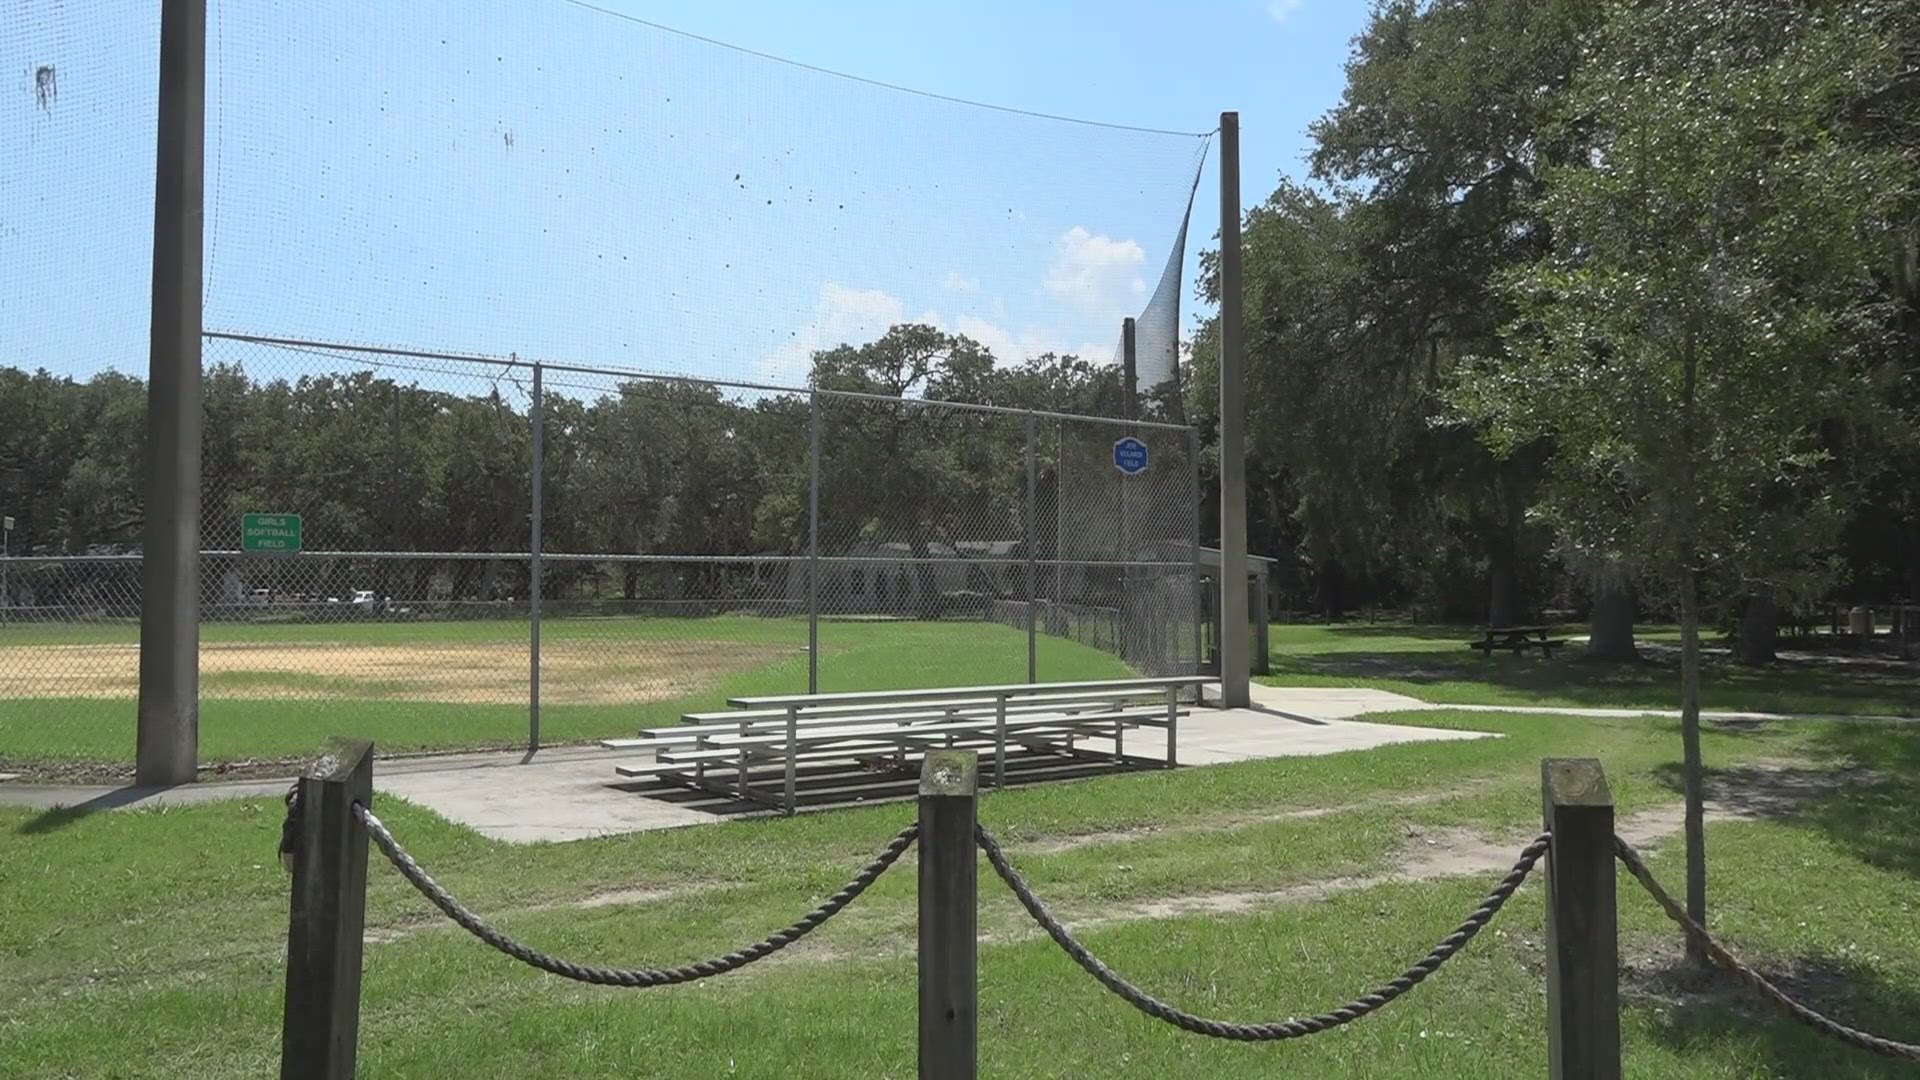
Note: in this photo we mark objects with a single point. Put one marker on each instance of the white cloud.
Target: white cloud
(998, 339)
(961, 284)
(849, 316)
(841, 316)
(1278, 10)
(1095, 271)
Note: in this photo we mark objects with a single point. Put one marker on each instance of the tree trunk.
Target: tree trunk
(1610, 629)
(1693, 778)
(1503, 576)
(927, 603)
(1759, 627)
(1328, 584)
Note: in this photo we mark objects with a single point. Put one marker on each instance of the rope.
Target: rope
(1283, 1029)
(630, 977)
(1756, 982)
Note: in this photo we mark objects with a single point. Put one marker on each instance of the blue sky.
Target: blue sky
(532, 177)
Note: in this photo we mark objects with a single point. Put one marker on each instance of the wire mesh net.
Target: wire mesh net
(556, 180)
(813, 355)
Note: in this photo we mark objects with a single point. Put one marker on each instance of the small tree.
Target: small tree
(1703, 314)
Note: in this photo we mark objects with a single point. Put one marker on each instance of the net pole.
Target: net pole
(535, 584)
(1235, 692)
(1130, 407)
(1059, 524)
(167, 738)
(813, 542)
(1033, 569)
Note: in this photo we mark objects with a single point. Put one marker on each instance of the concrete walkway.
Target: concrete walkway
(572, 792)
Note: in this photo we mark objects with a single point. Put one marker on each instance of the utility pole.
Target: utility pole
(168, 739)
(1234, 654)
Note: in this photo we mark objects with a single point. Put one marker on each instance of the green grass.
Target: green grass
(1432, 663)
(136, 941)
(37, 733)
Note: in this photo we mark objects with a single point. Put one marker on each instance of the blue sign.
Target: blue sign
(1130, 456)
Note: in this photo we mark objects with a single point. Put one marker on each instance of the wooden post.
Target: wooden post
(167, 723)
(949, 989)
(1583, 946)
(1235, 692)
(321, 1023)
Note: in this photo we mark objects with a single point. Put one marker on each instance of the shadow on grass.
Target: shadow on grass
(1433, 632)
(1807, 688)
(1861, 796)
(1764, 792)
(1711, 1016)
(60, 817)
(1877, 817)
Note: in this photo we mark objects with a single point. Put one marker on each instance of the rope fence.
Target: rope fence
(1753, 980)
(1276, 1030)
(324, 828)
(630, 977)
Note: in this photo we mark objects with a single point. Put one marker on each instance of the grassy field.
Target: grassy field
(1432, 663)
(138, 942)
(274, 690)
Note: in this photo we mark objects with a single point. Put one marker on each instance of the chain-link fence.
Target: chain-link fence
(454, 552)
(808, 264)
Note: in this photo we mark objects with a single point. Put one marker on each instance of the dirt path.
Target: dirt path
(478, 672)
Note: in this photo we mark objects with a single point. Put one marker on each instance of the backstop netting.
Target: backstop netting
(821, 374)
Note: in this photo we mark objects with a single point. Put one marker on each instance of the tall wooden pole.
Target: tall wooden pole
(168, 740)
(1234, 653)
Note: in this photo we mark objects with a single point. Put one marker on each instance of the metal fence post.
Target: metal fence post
(813, 542)
(1033, 542)
(320, 1022)
(949, 989)
(535, 582)
(1128, 650)
(1583, 947)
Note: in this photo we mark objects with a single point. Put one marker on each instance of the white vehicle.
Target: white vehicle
(363, 597)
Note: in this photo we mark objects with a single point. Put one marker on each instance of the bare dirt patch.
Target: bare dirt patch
(1737, 795)
(459, 673)
(1056, 844)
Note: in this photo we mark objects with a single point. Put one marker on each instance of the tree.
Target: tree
(1699, 324)
(903, 472)
(1363, 295)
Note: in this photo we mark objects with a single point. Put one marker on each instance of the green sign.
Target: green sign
(273, 533)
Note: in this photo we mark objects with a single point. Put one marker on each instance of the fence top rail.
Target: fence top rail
(1011, 690)
(581, 557)
(628, 373)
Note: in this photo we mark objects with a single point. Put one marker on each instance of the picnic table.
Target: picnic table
(1517, 639)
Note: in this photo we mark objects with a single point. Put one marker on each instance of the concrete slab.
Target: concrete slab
(541, 800)
(571, 793)
(1323, 702)
(1216, 736)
